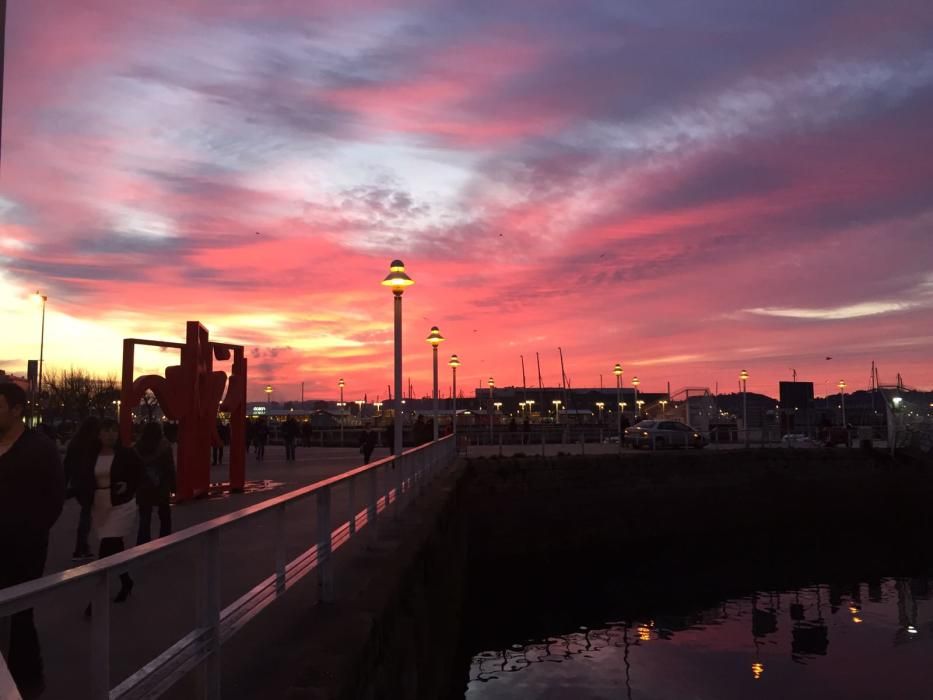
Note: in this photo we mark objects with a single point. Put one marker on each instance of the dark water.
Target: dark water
(857, 641)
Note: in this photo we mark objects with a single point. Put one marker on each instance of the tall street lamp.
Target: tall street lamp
(435, 338)
(842, 396)
(492, 385)
(340, 405)
(454, 363)
(635, 384)
(617, 370)
(531, 406)
(398, 281)
(600, 406)
(268, 391)
(40, 298)
(557, 403)
(663, 407)
(743, 375)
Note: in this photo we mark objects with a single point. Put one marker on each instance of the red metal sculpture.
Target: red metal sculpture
(192, 393)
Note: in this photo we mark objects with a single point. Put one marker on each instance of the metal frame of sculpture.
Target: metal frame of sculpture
(191, 393)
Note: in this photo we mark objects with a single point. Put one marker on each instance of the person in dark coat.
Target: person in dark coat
(390, 438)
(79, 447)
(107, 480)
(290, 435)
(367, 444)
(260, 438)
(32, 492)
(157, 482)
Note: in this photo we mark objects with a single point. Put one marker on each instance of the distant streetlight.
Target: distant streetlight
(663, 407)
(340, 405)
(638, 405)
(268, 391)
(743, 375)
(492, 385)
(600, 406)
(378, 406)
(498, 405)
(454, 363)
(531, 405)
(635, 384)
(398, 281)
(359, 408)
(557, 403)
(117, 404)
(617, 370)
(842, 396)
(39, 298)
(435, 338)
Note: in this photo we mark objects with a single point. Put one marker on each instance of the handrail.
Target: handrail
(201, 644)
(156, 547)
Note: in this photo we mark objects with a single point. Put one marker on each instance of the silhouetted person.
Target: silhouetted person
(108, 479)
(80, 446)
(32, 492)
(222, 439)
(290, 435)
(157, 482)
(390, 438)
(260, 437)
(367, 444)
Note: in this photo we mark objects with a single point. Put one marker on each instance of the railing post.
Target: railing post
(280, 549)
(372, 507)
(325, 565)
(351, 496)
(100, 637)
(209, 612)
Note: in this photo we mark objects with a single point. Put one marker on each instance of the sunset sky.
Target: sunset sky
(689, 188)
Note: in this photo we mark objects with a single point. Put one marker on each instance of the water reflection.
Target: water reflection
(772, 644)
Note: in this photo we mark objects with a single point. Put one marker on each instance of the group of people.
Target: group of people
(116, 486)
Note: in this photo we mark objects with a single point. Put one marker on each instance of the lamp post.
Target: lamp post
(492, 385)
(435, 338)
(398, 281)
(531, 406)
(557, 403)
(454, 363)
(617, 370)
(743, 375)
(498, 405)
(117, 409)
(40, 298)
(638, 405)
(635, 384)
(359, 408)
(663, 407)
(599, 407)
(340, 405)
(268, 391)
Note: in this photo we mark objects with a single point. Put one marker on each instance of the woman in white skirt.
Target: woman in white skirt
(109, 477)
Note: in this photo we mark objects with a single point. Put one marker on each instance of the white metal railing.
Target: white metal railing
(200, 647)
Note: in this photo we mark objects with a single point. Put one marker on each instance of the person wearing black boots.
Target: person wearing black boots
(157, 483)
(108, 479)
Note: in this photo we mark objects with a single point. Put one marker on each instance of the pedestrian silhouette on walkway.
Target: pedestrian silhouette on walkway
(80, 446)
(290, 435)
(157, 482)
(367, 444)
(32, 492)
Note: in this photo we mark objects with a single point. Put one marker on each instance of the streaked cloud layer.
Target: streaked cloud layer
(690, 188)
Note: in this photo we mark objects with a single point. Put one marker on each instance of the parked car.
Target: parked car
(663, 433)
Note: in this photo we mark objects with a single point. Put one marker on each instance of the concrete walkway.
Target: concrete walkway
(162, 607)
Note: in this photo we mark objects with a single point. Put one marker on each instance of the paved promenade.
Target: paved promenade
(161, 608)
